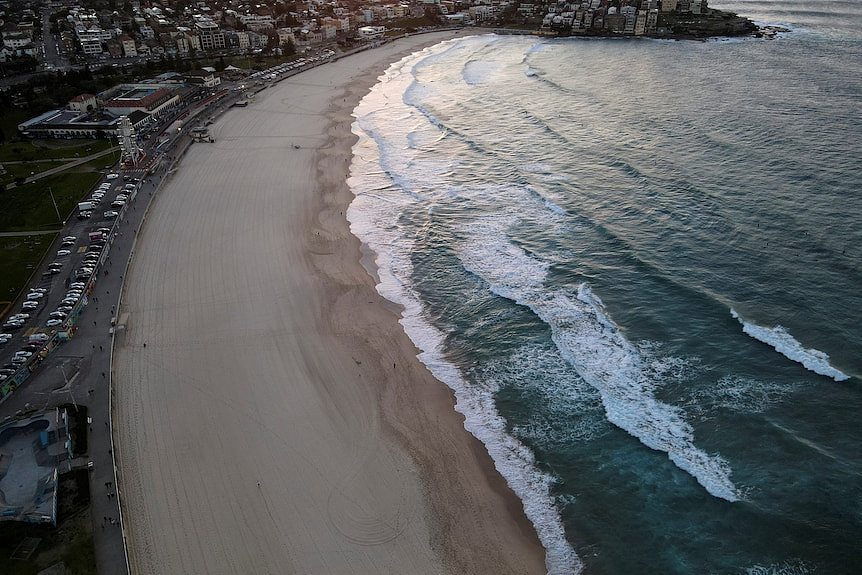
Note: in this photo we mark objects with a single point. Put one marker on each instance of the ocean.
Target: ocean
(638, 264)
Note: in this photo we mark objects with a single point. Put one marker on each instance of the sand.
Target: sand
(278, 420)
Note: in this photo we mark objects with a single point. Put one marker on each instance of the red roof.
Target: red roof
(82, 98)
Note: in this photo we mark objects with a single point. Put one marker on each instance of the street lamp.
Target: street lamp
(56, 209)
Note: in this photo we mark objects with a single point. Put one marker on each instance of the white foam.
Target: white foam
(593, 344)
(478, 72)
(373, 215)
(567, 408)
(785, 344)
(738, 394)
(789, 567)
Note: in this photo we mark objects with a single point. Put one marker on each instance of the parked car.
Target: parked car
(112, 176)
(20, 316)
(62, 253)
(110, 214)
(53, 322)
(18, 360)
(35, 295)
(118, 204)
(29, 305)
(77, 285)
(70, 238)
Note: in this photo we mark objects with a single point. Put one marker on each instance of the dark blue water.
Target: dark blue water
(639, 266)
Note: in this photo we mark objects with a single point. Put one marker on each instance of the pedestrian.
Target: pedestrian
(145, 344)
(103, 375)
(94, 322)
(100, 348)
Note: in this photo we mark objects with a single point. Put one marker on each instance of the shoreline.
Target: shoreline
(463, 514)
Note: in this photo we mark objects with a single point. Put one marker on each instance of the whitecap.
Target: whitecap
(593, 344)
(785, 344)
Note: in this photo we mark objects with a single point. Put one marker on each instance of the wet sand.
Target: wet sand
(278, 420)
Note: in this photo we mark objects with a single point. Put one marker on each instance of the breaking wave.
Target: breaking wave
(785, 344)
(594, 345)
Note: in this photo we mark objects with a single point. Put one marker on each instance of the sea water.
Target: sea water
(638, 264)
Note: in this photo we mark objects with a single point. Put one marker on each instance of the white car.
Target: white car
(29, 305)
(35, 295)
(20, 316)
(122, 197)
(77, 285)
(40, 290)
(18, 360)
(70, 239)
(69, 301)
(62, 253)
(53, 322)
(110, 214)
(23, 353)
(112, 176)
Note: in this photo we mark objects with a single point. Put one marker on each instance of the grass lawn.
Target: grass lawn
(29, 207)
(19, 256)
(102, 163)
(43, 149)
(15, 171)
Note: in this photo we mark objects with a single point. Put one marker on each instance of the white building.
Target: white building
(371, 32)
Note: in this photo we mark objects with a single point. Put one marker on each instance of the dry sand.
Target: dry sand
(272, 360)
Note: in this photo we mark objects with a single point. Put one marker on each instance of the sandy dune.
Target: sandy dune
(270, 359)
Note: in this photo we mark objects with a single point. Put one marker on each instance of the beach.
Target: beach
(269, 413)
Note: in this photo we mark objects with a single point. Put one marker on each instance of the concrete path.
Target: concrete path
(64, 167)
